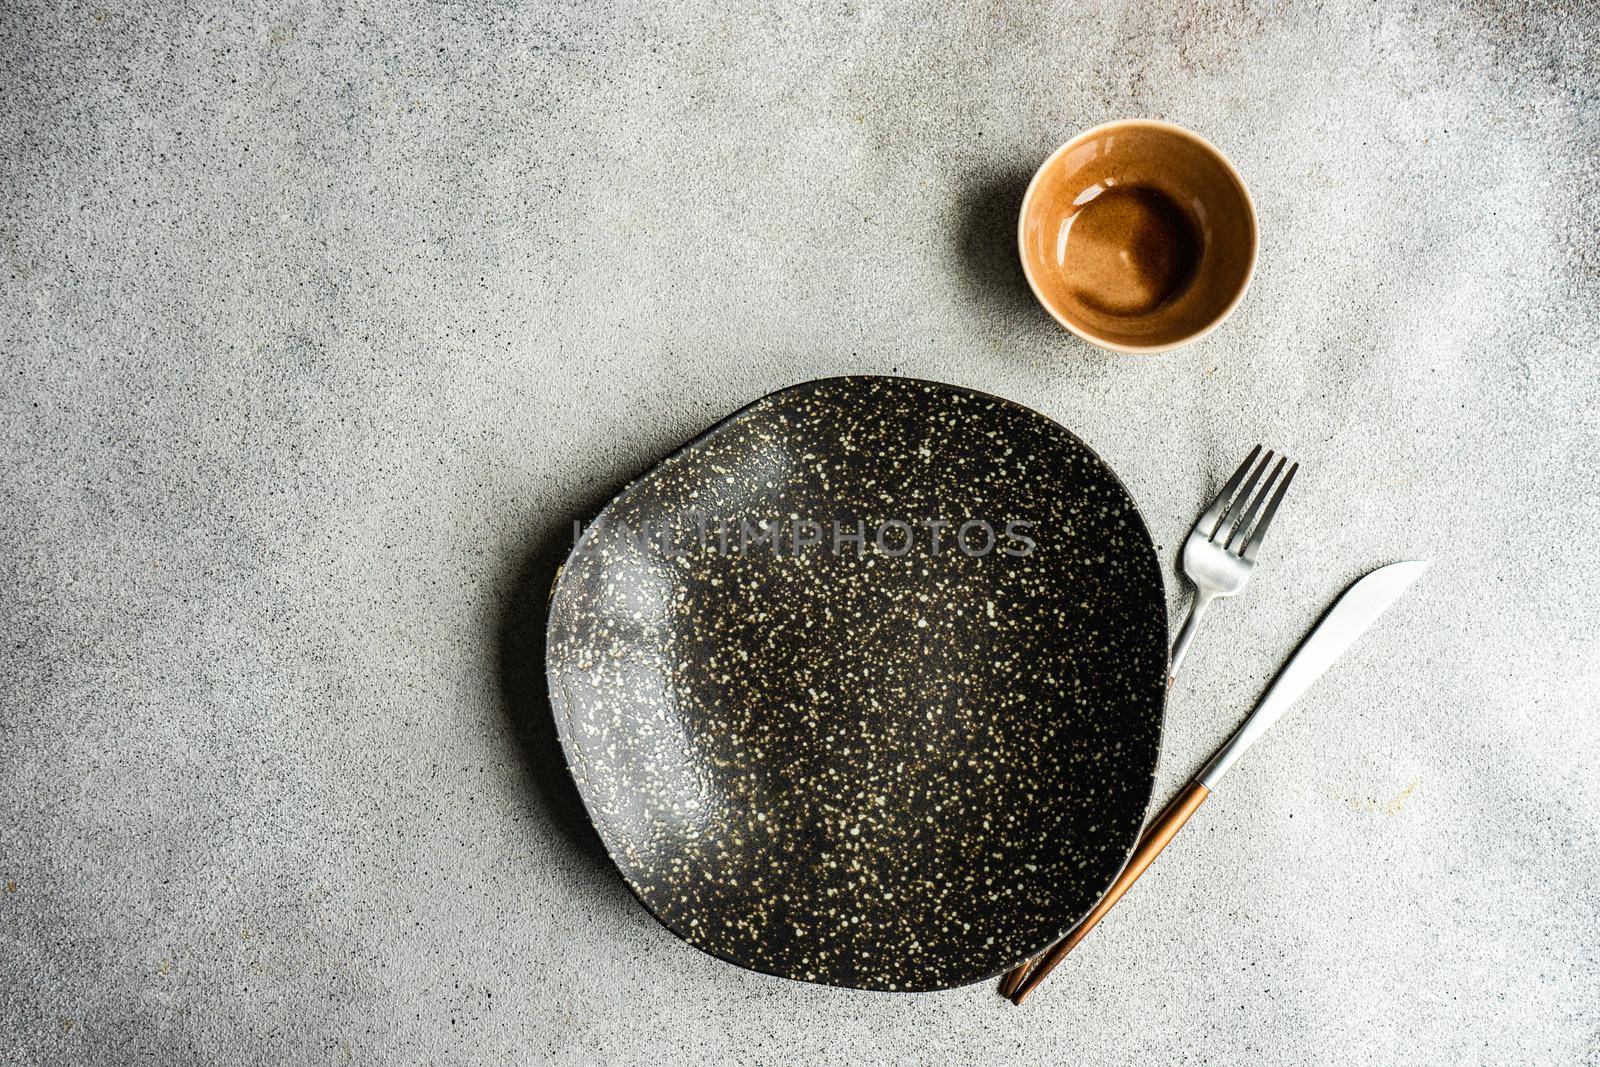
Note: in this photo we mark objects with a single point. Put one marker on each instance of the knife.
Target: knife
(1352, 614)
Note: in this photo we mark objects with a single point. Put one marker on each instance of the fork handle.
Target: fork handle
(1180, 647)
(1155, 838)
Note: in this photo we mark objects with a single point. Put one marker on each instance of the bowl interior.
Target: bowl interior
(899, 765)
(1138, 236)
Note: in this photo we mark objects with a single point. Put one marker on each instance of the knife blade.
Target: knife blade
(1351, 615)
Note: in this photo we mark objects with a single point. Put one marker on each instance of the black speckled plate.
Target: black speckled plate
(887, 763)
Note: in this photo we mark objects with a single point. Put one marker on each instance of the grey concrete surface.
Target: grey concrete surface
(320, 322)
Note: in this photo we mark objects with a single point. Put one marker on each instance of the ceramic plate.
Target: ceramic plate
(865, 685)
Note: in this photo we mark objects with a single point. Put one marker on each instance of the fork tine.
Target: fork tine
(1230, 521)
(1213, 514)
(1243, 526)
(1259, 534)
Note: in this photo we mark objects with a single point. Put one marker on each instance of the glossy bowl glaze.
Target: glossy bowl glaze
(1138, 236)
(900, 762)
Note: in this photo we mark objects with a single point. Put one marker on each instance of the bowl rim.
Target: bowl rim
(1168, 127)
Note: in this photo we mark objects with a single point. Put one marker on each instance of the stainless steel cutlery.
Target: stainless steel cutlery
(1220, 552)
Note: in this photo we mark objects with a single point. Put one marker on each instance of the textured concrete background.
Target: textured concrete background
(319, 324)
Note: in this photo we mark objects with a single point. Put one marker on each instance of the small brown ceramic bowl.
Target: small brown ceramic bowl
(1138, 236)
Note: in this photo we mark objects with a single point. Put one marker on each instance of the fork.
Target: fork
(1220, 552)
(1219, 556)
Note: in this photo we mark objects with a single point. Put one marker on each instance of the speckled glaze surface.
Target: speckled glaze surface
(902, 765)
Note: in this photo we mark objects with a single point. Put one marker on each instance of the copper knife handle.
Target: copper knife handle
(1155, 838)
(1014, 977)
